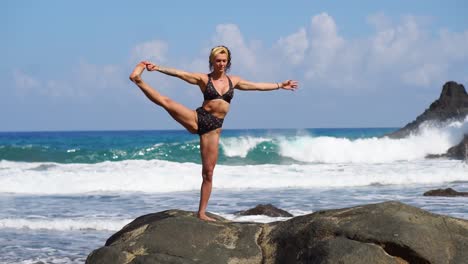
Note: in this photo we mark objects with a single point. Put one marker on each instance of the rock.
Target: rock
(176, 236)
(459, 151)
(451, 105)
(449, 192)
(389, 232)
(266, 209)
(435, 156)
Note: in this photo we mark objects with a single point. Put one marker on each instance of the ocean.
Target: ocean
(62, 194)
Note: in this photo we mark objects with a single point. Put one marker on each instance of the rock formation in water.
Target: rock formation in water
(448, 192)
(451, 105)
(266, 209)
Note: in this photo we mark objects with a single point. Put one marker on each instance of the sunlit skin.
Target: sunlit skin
(209, 142)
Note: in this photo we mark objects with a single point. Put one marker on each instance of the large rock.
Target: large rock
(389, 232)
(451, 105)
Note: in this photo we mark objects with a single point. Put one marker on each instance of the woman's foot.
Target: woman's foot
(135, 76)
(205, 217)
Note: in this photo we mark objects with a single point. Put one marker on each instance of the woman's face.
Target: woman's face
(219, 62)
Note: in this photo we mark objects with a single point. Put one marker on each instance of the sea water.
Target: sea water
(62, 194)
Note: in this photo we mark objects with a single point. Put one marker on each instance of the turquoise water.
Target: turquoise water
(175, 145)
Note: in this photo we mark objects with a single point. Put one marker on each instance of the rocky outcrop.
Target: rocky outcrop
(389, 232)
(459, 151)
(266, 209)
(448, 192)
(451, 105)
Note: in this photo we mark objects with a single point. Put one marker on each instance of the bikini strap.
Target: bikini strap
(230, 83)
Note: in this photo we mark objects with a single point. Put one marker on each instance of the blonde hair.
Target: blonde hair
(220, 50)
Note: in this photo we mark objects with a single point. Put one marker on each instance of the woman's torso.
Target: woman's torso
(217, 94)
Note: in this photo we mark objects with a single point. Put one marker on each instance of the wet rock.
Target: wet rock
(266, 209)
(449, 192)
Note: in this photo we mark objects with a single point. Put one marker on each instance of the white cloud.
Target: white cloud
(424, 75)
(404, 53)
(25, 82)
(85, 80)
(154, 50)
(58, 88)
(453, 45)
(98, 76)
(294, 46)
(397, 45)
(408, 51)
(27, 85)
(324, 48)
(379, 21)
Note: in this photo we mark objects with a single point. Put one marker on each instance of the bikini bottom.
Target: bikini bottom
(207, 122)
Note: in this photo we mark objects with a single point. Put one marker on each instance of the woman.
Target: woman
(218, 89)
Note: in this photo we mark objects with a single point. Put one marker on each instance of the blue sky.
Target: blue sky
(65, 64)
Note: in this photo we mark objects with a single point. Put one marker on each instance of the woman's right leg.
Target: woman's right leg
(183, 115)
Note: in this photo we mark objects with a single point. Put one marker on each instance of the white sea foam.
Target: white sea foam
(430, 140)
(239, 146)
(64, 224)
(163, 176)
(53, 260)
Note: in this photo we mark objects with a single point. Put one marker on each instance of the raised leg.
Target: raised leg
(185, 116)
(209, 154)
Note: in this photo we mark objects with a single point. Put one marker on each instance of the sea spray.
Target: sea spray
(430, 139)
(164, 176)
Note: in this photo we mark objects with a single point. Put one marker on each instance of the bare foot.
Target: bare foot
(205, 217)
(135, 76)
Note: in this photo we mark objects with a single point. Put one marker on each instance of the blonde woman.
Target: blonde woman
(218, 90)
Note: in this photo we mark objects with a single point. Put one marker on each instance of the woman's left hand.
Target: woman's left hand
(151, 66)
(290, 85)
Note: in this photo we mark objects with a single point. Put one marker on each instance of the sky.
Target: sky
(65, 64)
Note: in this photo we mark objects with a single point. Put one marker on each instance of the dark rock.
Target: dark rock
(451, 105)
(449, 192)
(459, 151)
(389, 232)
(266, 209)
(435, 156)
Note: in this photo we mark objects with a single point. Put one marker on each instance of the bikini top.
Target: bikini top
(211, 93)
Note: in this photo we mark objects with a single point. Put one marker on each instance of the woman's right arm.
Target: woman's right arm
(190, 77)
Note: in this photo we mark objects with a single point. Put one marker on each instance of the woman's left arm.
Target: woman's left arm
(260, 86)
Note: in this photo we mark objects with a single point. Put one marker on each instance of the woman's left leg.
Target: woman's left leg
(209, 154)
